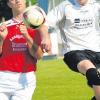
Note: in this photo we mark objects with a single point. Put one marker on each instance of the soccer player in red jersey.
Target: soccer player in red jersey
(20, 47)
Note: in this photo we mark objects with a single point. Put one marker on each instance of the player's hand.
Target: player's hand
(46, 44)
(3, 31)
(23, 30)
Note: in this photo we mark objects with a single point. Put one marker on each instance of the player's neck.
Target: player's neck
(18, 17)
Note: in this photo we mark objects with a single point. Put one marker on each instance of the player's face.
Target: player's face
(17, 5)
(82, 2)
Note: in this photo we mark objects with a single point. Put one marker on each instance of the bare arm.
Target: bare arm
(46, 41)
(52, 19)
(1, 43)
(3, 34)
(33, 47)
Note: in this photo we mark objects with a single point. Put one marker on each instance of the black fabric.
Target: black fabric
(93, 98)
(93, 76)
(72, 58)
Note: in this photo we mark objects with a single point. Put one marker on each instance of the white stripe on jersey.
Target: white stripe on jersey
(12, 22)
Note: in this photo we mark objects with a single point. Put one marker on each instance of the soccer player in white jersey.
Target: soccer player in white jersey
(20, 47)
(79, 24)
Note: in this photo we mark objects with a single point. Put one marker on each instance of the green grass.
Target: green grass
(55, 81)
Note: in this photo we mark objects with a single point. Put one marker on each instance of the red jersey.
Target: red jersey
(15, 56)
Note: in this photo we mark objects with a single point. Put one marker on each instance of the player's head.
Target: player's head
(17, 5)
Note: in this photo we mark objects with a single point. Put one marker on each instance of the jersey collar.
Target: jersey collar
(16, 20)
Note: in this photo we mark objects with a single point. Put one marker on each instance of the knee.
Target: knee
(93, 76)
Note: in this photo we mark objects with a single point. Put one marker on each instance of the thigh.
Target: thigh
(4, 96)
(73, 58)
(24, 93)
(97, 61)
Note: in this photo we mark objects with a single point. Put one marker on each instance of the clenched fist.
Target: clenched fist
(3, 31)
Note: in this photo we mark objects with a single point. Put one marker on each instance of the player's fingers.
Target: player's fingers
(2, 27)
(22, 23)
(22, 28)
(43, 47)
(17, 26)
(47, 48)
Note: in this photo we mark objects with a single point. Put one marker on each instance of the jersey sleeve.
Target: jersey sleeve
(55, 15)
(97, 5)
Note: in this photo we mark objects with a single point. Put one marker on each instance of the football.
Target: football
(34, 16)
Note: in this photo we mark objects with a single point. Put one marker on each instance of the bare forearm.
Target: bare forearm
(44, 31)
(0, 50)
(46, 41)
(1, 44)
(34, 49)
(38, 53)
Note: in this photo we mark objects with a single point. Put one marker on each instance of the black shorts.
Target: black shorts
(72, 58)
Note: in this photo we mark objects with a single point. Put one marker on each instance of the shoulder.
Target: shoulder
(95, 4)
(66, 3)
(62, 6)
(10, 23)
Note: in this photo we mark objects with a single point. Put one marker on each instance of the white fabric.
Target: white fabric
(17, 86)
(78, 25)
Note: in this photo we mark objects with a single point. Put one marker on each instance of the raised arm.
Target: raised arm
(34, 49)
(52, 18)
(3, 34)
(45, 36)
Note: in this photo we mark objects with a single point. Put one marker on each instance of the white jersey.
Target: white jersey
(79, 25)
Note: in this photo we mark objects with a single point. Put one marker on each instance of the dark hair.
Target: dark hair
(5, 11)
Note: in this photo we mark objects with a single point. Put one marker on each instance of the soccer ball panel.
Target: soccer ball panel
(34, 16)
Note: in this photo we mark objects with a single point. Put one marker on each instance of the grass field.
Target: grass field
(57, 82)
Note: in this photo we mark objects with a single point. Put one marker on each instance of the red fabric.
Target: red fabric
(15, 56)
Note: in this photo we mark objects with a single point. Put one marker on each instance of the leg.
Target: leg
(83, 61)
(4, 96)
(27, 85)
(24, 93)
(87, 68)
(96, 91)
